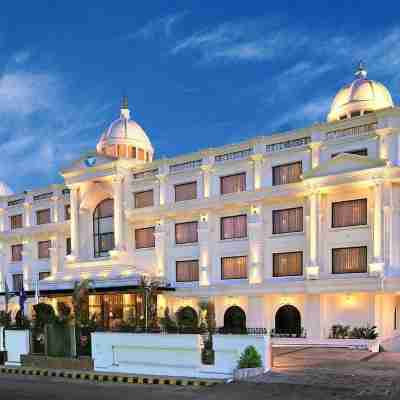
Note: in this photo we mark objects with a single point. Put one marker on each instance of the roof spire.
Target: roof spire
(361, 72)
(125, 112)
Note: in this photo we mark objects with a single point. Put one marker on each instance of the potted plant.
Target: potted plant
(250, 364)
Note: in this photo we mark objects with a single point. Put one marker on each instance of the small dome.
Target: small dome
(126, 138)
(5, 190)
(361, 97)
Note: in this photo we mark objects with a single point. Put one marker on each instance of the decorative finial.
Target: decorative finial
(361, 72)
(124, 102)
(125, 113)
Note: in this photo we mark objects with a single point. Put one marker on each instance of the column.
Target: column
(28, 214)
(160, 235)
(162, 189)
(3, 270)
(206, 180)
(118, 213)
(315, 154)
(27, 261)
(313, 318)
(55, 210)
(377, 265)
(256, 240)
(385, 304)
(204, 236)
(256, 312)
(74, 199)
(55, 251)
(313, 266)
(3, 221)
(257, 160)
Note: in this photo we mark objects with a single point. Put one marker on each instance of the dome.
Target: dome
(125, 138)
(5, 190)
(361, 97)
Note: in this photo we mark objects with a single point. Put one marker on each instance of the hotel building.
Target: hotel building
(295, 232)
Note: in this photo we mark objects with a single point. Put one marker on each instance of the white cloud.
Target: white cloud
(161, 25)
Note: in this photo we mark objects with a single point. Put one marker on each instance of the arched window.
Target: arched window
(103, 228)
(288, 321)
(234, 320)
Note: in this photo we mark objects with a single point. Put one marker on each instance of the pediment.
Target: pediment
(344, 163)
(89, 160)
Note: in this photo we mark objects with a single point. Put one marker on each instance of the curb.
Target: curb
(109, 378)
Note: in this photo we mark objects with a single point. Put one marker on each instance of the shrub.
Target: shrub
(367, 332)
(340, 331)
(250, 358)
(168, 323)
(5, 319)
(44, 314)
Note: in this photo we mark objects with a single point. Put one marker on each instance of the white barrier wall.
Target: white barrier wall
(152, 354)
(1, 338)
(228, 349)
(17, 344)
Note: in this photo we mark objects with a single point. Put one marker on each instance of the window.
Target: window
(234, 227)
(67, 212)
(359, 152)
(43, 216)
(43, 275)
(44, 249)
(355, 114)
(103, 228)
(144, 199)
(68, 249)
(288, 264)
(144, 238)
(349, 213)
(289, 220)
(288, 173)
(234, 267)
(140, 154)
(18, 282)
(186, 191)
(186, 232)
(233, 183)
(16, 221)
(16, 252)
(342, 117)
(349, 260)
(187, 271)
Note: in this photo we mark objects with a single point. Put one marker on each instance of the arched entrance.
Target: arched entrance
(288, 321)
(188, 320)
(235, 320)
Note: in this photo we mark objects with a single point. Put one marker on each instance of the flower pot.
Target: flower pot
(246, 373)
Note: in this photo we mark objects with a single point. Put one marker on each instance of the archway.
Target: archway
(288, 321)
(235, 320)
(188, 320)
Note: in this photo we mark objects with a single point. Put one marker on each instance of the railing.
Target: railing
(235, 155)
(185, 165)
(289, 333)
(42, 196)
(12, 203)
(354, 131)
(145, 174)
(288, 144)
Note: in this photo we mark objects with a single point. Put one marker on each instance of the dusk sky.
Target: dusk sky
(197, 73)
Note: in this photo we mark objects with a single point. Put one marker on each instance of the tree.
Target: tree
(80, 301)
(250, 358)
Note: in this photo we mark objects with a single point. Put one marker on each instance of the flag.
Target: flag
(22, 299)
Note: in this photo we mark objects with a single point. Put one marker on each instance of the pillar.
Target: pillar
(313, 316)
(377, 264)
(256, 248)
(3, 216)
(256, 312)
(28, 214)
(118, 213)
(257, 160)
(27, 261)
(56, 215)
(315, 154)
(204, 236)
(161, 248)
(162, 189)
(384, 314)
(206, 180)
(75, 204)
(313, 265)
(55, 252)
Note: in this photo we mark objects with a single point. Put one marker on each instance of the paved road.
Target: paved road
(41, 388)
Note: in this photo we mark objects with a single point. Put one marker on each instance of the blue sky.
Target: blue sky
(197, 73)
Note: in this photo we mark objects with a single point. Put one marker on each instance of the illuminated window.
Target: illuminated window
(287, 173)
(16, 221)
(234, 267)
(43, 216)
(16, 252)
(288, 220)
(234, 227)
(349, 260)
(288, 264)
(349, 213)
(103, 228)
(187, 271)
(233, 183)
(44, 249)
(144, 238)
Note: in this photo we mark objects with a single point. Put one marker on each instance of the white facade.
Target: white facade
(322, 298)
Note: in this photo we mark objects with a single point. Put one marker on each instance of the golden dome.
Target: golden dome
(361, 97)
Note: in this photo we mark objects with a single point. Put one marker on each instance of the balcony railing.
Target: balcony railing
(235, 155)
(15, 202)
(43, 196)
(185, 165)
(145, 174)
(354, 131)
(288, 144)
